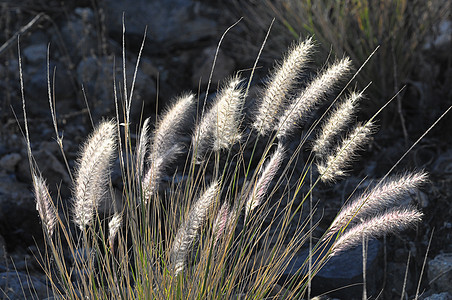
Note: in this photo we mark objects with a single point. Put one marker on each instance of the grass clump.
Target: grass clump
(230, 219)
(401, 30)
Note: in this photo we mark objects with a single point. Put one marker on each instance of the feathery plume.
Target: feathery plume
(221, 222)
(142, 146)
(91, 179)
(228, 110)
(172, 122)
(156, 170)
(203, 135)
(261, 186)
(383, 196)
(336, 122)
(44, 204)
(280, 85)
(187, 233)
(333, 166)
(113, 227)
(165, 145)
(220, 125)
(310, 98)
(391, 221)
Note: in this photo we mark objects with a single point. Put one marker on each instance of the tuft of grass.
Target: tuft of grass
(229, 220)
(400, 29)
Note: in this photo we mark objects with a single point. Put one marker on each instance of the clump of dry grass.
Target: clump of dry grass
(356, 28)
(199, 237)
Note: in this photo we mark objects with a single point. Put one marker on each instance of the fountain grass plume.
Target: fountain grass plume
(170, 125)
(92, 174)
(113, 228)
(280, 85)
(266, 177)
(165, 146)
(187, 232)
(228, 110)
(142, 148)
(44, 204)
(385, 195)
(391, 221)
(301, 106)
(334, 165)
(221, 221)
(336, 122)
(219, 126)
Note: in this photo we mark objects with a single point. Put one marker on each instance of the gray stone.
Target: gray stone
(12, 67)
(170, 22)
(441, 296)
(96, 73)
(395, 278)
(423, 199)
(16, 285)
(342, 275)
(9, 162)
(2, 250)
(35, 54)
(52, 169)
(443, 163)
(19, 221)
(443, 38)
(440, 272)
(79, 35)
(36, 86)
(202, 67)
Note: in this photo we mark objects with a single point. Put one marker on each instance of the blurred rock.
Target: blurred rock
(440, 272)
(18, 216)
(183, 19)
(79, 35)
(423, 199)
(96, 73)
(52, 169)
(2, 250)
(442, 296)
(202, 66)
(9, 162)
(442, 39)
(395, 279)
(342, 275)
(35, 54)
(443, 163)
(16, 285)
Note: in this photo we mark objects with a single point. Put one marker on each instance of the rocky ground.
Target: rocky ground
(84, 43)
